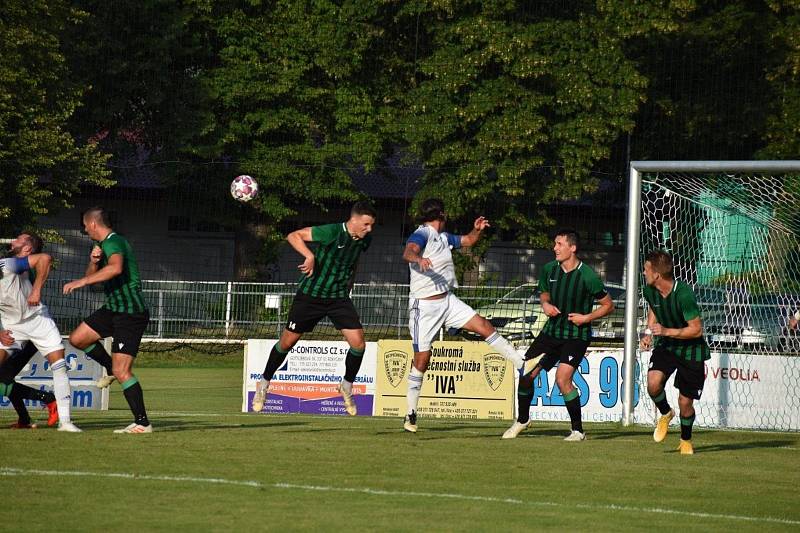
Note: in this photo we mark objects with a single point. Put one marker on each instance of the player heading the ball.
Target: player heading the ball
(327, 277)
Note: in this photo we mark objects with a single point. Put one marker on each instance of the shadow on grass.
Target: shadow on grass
(711, 448)
(617, 434)
(167, 425)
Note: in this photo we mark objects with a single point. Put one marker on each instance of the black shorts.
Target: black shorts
(570, 351)
(16, 361)
(307, 310)
(690, 375)
(125, 328)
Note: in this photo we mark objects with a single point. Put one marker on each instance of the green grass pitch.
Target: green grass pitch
(210, 467)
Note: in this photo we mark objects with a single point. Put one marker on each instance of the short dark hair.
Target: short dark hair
(97, 213)
(362, 207)
(430, 210)
(36, 242)
(570, 234)
(661, 262)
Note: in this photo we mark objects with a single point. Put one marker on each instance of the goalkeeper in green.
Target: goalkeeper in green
(674, 320)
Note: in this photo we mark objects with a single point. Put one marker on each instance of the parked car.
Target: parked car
(734, 319)
(519, 317)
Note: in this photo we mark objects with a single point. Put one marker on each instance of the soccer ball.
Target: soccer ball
(244, 188)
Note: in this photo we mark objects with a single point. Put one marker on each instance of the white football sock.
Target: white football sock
(498, 342)
(347, 386)
(414, 388)
(62, 390)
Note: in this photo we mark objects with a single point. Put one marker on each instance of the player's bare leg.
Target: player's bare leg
(62, 390)
(530, 371)
(123, 371)
(686, 406)
(88, 340)
(572, 401)
(481, 326)
(352, 363)
(418, 368)
(655, 388)
(276, 358)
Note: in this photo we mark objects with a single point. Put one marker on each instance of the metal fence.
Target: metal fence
(192, 310)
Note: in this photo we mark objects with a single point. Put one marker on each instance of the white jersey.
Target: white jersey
(15, 287)
(436, 247)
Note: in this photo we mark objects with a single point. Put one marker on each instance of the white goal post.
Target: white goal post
(723, 189)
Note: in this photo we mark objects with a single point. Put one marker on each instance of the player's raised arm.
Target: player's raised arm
(413, 254)
(94, 260)
(297, 240)
(112, 269)
(480, 224)
(41, 263)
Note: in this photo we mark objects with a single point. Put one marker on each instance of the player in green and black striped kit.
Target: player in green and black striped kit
(123, 316)
(674, 318)
(568, 290)
(324, 290)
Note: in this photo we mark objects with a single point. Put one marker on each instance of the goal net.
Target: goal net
(732, 229)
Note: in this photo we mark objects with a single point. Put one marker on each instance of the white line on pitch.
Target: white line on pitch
(10, 471)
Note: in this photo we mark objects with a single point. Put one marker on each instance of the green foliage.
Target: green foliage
(516, 103)
(723, 84)
(509, 105)
(41, 164)
(291, 99)
(783, 124)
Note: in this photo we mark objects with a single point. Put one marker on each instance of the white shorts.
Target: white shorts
(39, 329)
(426, 318)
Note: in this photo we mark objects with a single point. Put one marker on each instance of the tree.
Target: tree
(294, 101)
(291, 98)
(708, 96)
(141, 63)
(783, 124)
(516, 102)
(41, 164)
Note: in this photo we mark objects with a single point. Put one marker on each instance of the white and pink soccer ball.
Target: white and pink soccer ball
(244, 188)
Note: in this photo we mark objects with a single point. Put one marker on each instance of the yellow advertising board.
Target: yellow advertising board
(464, 380)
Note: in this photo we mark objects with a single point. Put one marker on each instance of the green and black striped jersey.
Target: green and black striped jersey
(123, 292)
(675, 311)
(335, 261)
(570, 292)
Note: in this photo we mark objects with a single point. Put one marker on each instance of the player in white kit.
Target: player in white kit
(431, 302)
(24, 317)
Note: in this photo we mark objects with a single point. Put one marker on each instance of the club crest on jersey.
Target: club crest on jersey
(396, 364)
(494, 369)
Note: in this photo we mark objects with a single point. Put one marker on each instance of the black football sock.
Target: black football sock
(352, 363)
(18, 402)
(276, 359)
(661, 402)
(97, 353)
(524, 397)
(686, 427)
(573, 402)
(133, 393)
